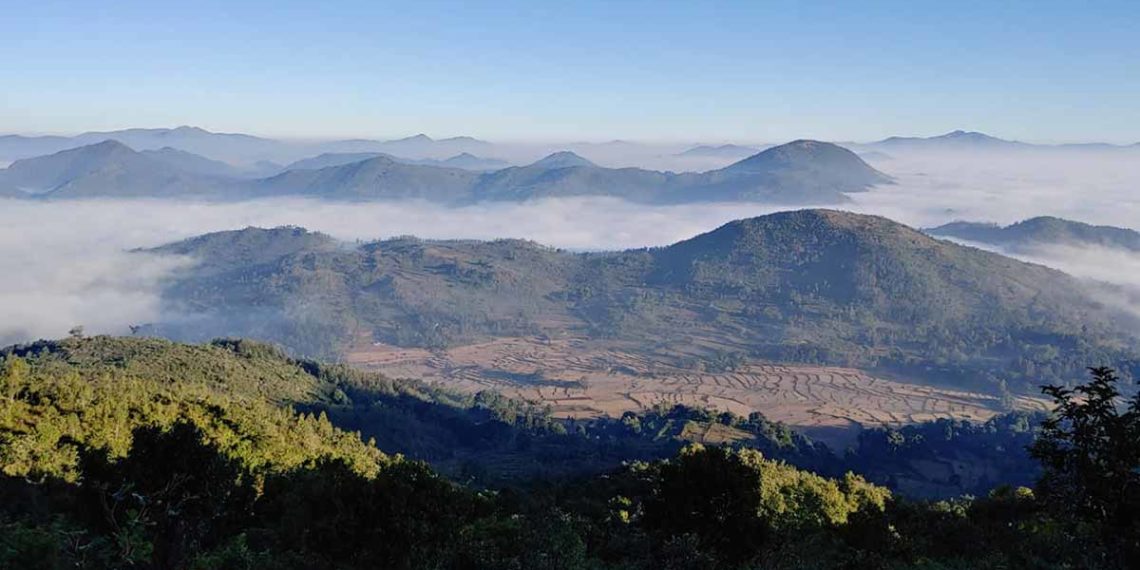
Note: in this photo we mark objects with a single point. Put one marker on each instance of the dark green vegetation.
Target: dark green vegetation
(1041, 231)
(232, 388)
(803, 172)
(808, 286)
(142, 453)
(69, 397)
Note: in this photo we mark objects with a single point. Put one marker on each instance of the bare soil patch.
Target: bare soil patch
(583, 378)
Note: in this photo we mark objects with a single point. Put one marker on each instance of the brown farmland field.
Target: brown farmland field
(584, 378)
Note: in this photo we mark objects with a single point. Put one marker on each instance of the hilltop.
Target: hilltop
(108, 168)
(814, 171)
(812, 286)
(733, 151)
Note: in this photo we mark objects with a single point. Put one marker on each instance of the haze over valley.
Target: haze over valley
(99, 210)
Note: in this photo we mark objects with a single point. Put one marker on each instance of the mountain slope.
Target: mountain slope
(567, 174)
(16, 147)
(468, 161)
(464, 161)
(809, 286)
(802, 172)
(105, 169)
(733, 151)
(194, 164)
(423, 146)
(233, 147)
(379, 178)
(952, 141)
(1039, 231)
(563, 159)
(331, 159)
(805, 172)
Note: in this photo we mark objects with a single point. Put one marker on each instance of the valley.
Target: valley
(569, 286)
(580, 378)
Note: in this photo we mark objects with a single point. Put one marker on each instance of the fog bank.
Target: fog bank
(66, 262)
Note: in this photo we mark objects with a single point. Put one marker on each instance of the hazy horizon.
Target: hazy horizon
(1044, 71)
(79, 271)
(539, 140)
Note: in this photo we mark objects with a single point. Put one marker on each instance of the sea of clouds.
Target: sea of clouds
(69, 263)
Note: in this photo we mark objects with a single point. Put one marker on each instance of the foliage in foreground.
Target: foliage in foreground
(191, 471)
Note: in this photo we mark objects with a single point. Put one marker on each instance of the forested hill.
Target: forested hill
(94, 391)
(1041, 231)
(144, 453)
(810, 286)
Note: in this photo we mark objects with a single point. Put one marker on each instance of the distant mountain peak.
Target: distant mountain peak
(109, 146)
(187, 129)
(960, 134)
(463, 139)
(722, 151)
(954, 140)
(562, 159)
(420, 138)
(809, 144)
(802, 151)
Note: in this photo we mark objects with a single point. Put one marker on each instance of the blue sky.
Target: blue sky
(678, 71)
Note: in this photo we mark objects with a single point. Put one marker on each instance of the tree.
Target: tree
(712, 497)
(1090, 451)
(173, 496)
(14, 373)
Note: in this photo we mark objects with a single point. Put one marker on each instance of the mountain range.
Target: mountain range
(465, 161)
(235, 147)
(110, 168)
(972, 141)
(812, 286)
(729, 151)
(800, 172)
(248, 150)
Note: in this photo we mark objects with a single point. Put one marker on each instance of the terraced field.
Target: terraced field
(581, 378)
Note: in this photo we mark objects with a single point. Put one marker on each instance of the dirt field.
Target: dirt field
(580, 379)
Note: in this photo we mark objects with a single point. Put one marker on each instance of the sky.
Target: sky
(752, 71)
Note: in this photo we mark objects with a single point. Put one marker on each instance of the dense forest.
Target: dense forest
(144, 453)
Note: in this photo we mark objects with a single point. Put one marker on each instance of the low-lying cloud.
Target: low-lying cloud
(66, 263)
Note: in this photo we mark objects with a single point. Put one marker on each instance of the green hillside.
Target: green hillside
(810, 286)
(118, 453)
